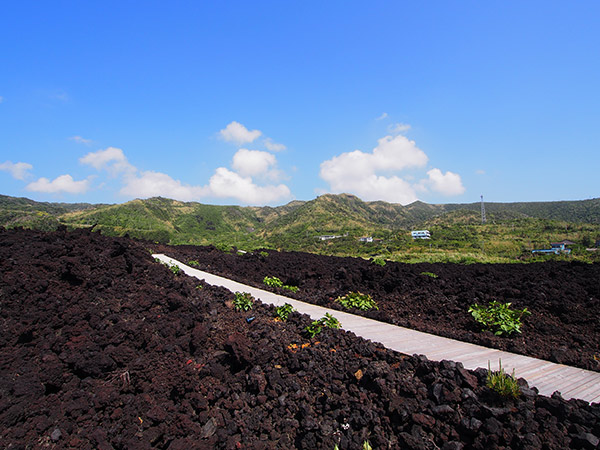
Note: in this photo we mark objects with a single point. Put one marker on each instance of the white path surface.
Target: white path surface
(546, 376)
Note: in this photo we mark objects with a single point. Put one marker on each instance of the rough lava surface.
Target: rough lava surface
(562, 297)
(103, 348)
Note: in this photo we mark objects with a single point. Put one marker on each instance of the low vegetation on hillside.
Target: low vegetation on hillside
(333, 224)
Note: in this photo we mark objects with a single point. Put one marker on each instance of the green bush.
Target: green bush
(317, 325)
(357, 300)
(502, 383)
(283, 312)
(498, 318)
(272, 282)
(330, 322)
(276, 282)
(243, 301)
(314, 328)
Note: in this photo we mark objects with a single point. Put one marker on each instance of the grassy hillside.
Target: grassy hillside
(23, 212)
(511, 231)
(164, 220)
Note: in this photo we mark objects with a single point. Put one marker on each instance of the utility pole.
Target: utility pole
(483, 220)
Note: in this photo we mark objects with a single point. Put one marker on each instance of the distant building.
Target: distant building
(556, 248)
(366, 239)
(562, 245)
(420, 234)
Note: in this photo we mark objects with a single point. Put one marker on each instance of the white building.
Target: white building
(420, 234)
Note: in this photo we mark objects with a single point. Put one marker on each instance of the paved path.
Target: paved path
(544, 375)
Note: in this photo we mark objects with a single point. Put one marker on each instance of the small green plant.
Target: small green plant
(367, 446)
(283, 312)
(264, 254)
(276, 282)
(364, 302)
(193, 263)
(272, 282)
(502, 383)
(316, 326)
(429, 274)
(379, 261)
(175, 269)
(243, 301)
(498, 318)
(330, 322)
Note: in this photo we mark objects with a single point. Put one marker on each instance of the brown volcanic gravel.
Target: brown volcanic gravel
(563, 297)
(102, 348)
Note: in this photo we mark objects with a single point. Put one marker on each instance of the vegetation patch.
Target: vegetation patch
(272, 282)
(357, 300)
(498, 318)
(502, 383)
(283, 312)
(276, 282)
(317, 325)
(243, 301)
(429, 274)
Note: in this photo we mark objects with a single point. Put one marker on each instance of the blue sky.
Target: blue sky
(260, 103)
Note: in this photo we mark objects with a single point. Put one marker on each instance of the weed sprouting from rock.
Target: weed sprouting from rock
(502, 383)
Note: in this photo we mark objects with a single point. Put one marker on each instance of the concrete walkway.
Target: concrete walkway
(546, 376)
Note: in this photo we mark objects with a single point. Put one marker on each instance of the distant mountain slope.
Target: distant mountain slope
(167, 220)
(582, 211)
(172, 221)
(20, 211)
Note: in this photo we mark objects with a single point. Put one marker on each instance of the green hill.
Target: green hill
(512, 229)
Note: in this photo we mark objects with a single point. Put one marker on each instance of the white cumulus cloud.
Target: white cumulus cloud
(376, 175)
(448, 183)
(18, 170)
(237, 184)
(256, 163)
(237, 133)
(63, 183)
(360, 173)
(112, 159)
(154, 184)
(227, 184)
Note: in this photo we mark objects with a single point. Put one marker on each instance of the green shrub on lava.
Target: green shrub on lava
(283, 312)
(276, 282)
(243, 301)
(498, 318)
(357, 300)
(317, 325)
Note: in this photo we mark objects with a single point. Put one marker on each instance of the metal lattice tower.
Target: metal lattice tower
(483, 220)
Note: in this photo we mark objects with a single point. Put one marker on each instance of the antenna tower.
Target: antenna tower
(483, 220)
